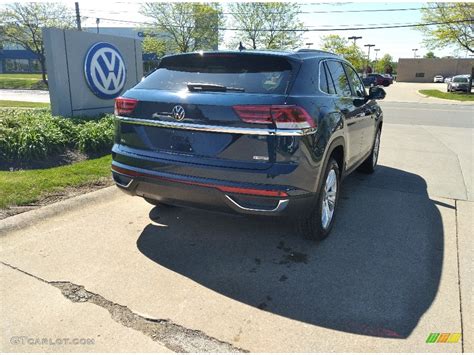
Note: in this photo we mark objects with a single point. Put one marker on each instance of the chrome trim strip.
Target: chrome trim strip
(218, 129)
(122, 185)
(280, 207)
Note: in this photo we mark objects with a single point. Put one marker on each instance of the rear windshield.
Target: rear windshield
(460, 80)
(248, 73)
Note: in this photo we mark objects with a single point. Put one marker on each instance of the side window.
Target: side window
(326, 83)
(356, 84)
(323, 80)
(339, 77)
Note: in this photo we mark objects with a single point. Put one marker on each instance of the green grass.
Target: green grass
(27, 186)
(448, 95)
(10, 103)
(22, 81)
(21, 76)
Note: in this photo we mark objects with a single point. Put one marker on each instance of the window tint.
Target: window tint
(460, 79)
(356, 84)
(323, 80)
(339, 77)
(326, 83)
(332, 87)
(250, 72)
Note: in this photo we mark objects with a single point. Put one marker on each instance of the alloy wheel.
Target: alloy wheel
(375, 154)
(329, 199)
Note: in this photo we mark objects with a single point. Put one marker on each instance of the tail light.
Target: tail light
(124, 106)
(283, 116)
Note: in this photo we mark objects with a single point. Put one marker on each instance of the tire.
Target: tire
(369, 164)
(156, 202)
(312, 225)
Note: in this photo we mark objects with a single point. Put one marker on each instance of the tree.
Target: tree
(430, 54)
(384, 64)
(21, 23)
(186, 26)
(154, 45)
(341, 46)
(267, 25)
(459, 34)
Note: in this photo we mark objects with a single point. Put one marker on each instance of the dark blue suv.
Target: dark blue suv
(267, 133)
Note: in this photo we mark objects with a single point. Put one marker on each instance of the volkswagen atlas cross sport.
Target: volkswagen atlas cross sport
(267, 133)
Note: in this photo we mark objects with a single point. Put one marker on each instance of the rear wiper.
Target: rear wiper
(212, 87)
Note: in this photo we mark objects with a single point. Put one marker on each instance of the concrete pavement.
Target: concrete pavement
(397, 266)
(24, 95)
(48, 315)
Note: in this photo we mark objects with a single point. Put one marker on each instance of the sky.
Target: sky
(397, 42)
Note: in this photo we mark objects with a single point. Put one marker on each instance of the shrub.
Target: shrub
(34, 134)
(96, 136)
(30, 134)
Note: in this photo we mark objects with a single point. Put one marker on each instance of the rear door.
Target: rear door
(200, 92)
(366, 111)
(352, 114)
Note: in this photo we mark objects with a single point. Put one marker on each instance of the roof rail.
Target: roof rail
(314, 50)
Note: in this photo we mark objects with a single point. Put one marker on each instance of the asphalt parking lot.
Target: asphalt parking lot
(133, 277)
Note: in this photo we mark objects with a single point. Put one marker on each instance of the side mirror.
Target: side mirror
(376, 93)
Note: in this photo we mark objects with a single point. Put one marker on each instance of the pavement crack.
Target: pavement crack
(174, 336)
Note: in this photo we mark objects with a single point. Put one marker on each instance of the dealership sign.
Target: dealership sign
(105, 71)
(87, 71)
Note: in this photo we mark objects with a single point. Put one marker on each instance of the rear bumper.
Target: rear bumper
(223, 196)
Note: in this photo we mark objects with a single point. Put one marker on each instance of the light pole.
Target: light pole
(354, 38)
(376, 50)
(414, 52)
(368, 54)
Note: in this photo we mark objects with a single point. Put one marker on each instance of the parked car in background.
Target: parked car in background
(259, 133)
(438, 79)
(459, 83)
(389, 77)
(448, 79)
(377, 80)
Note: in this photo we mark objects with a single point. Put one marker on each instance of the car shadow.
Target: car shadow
(376, 274)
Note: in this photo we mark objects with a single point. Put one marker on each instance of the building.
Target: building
(15, 59)
(423, 70)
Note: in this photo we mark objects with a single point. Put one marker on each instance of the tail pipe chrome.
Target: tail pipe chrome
(279, 207)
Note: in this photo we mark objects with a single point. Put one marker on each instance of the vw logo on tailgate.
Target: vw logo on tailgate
(178, 113)
(105, 70)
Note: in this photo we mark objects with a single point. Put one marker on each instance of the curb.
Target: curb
(447, 101)
(420, 94)
(27, 219)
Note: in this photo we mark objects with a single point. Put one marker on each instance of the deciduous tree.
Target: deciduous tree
(340, 45)
(186, 26)
(266, 25)
(451, 32)
(21, 23)
(430, 54)
(384, 64)
(154, 45)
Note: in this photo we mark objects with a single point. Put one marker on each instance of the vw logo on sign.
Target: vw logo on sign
(105, 70)
(178, 113)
